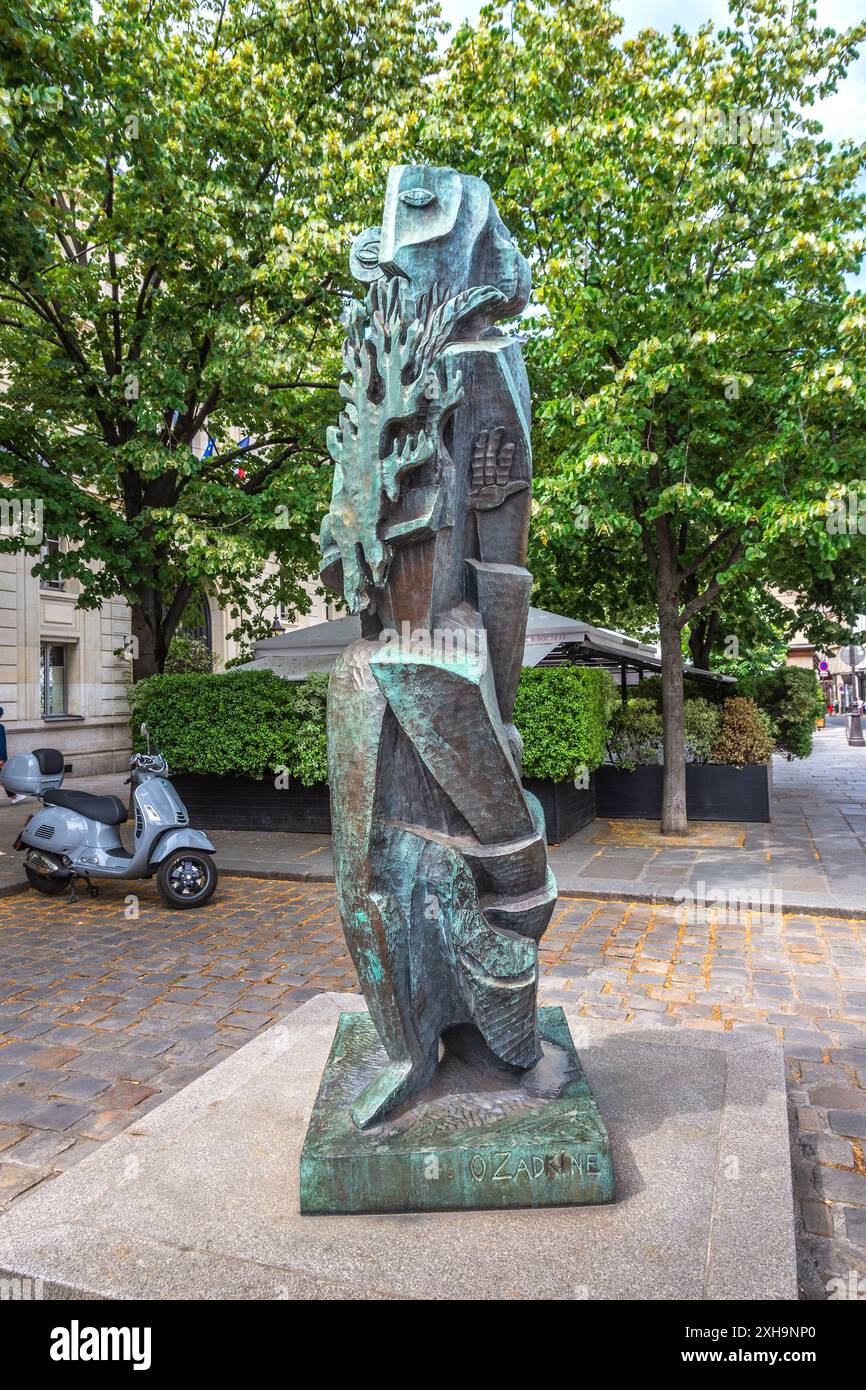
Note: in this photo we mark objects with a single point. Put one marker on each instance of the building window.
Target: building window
(51, 547)
(53, 682)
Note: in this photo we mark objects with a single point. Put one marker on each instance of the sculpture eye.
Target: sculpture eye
(417, 197)
(368, 254)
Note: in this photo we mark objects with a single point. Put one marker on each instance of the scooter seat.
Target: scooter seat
(110, 810)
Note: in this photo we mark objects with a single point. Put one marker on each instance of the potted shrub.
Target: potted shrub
(728, 768)
(792, 698)
(247, 750)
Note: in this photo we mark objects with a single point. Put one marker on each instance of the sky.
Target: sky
(843, 115)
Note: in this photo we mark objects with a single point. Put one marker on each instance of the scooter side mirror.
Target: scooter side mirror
(145, 733)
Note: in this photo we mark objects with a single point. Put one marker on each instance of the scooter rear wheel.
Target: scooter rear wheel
(187, 878)
(52, 886)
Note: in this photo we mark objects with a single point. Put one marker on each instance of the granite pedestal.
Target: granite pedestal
(200, 1198)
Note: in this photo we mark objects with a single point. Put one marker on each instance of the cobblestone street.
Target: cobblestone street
(102, 1018)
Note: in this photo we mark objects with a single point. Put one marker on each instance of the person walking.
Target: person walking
(14, 797)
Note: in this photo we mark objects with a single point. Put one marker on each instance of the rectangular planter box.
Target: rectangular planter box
(566, 807)
(713, 792)
(247, 803)
(250, 803)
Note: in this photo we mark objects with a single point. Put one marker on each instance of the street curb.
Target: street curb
(616, 892)
(283, 875)
(607, 890)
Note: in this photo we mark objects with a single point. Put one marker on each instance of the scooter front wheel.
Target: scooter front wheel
(51, 884)
(186, 878)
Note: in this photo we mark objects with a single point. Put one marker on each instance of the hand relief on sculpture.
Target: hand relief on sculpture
(440, 854)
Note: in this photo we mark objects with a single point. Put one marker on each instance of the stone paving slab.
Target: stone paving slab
(94, 1004)
(200, 1197)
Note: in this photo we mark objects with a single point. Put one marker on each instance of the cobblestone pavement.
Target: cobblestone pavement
(102, 1018)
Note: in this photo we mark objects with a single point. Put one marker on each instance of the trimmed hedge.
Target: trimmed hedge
(254, 722)
(239, 722)
(702, 726)
(562, 713)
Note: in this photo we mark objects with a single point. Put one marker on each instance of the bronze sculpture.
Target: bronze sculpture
(440, 854)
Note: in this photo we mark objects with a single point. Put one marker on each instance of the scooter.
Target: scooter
(75, 835)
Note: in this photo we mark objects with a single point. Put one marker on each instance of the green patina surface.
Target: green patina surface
(474, 1139)
(398, 389)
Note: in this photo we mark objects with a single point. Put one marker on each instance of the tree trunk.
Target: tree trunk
(702, 636)
(674, 819)
(145, 661)
(153, 627)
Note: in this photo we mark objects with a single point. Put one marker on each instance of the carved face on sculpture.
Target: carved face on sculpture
(442, 228)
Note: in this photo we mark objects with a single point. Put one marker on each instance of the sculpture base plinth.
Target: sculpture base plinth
(478, 1138)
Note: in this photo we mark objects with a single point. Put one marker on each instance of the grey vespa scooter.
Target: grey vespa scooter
(75, 835)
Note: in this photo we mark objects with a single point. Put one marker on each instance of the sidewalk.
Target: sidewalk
(813, 854)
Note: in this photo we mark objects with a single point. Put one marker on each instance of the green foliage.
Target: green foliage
(699, 360)
(188, 654)
(254, 722)
(242, 722)
(180, 184)
(650, 688)
(635, 737)
(746, 734)
(697, 354)
(791, 697)
(562, 713)
(242, 659)
(703, 725)
(735, 732)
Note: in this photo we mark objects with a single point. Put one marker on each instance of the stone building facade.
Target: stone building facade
(62, 683)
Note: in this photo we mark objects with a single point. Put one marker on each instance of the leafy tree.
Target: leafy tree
(698, 354)
(596, 579)
(178, 185)
(187, 655)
